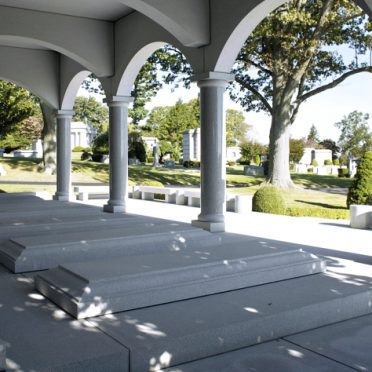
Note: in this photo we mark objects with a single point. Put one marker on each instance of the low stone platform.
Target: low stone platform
(93, 288)
(32, 253)
(274, 356)
(40, 337)
(171, 334)
(37, 214)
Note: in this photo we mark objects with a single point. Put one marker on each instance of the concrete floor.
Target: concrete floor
(39, 336)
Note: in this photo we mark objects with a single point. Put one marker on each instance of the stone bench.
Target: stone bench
(148, 193)
(361, 216)
(83, 192)
(234, 203)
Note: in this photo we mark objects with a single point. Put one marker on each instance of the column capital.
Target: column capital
(213, 79)
(115, 101)
(64, 114)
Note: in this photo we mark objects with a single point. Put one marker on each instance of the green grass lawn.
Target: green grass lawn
(300, 202)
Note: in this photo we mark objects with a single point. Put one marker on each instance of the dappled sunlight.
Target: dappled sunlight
(148, 329)
(163, 361)
(295, 353)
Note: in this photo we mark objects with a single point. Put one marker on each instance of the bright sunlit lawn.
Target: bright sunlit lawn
(25, 175)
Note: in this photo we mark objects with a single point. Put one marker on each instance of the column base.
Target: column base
(209, 226)
(62, 197)
(109, 208)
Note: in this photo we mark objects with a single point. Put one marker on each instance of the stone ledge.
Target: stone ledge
(361, 216)
(94, 288)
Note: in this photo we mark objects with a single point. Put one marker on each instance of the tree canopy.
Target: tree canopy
(90, 111)
(16, 105)
(291, 56)
(356, 136)
(236, 128)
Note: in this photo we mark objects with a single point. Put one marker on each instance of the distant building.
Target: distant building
(150, 142)
(233, 153)
(320, 155)
(191, 147)
(82, 134)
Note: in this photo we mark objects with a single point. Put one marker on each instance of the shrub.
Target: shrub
(268, 199)
(244, 161)
(101, 144)
(78, 149)
(369, 200)
(327, 162)
(191, 164)
(361, 188)
(86, 155)
(343, 172)
(231, 163)
(150, 159)
(314, 163)
(336, 162)
(257, 159)
(310, 170)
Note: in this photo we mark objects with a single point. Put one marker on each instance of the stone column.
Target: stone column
(63, 155)
(118, 142)
(213, 151)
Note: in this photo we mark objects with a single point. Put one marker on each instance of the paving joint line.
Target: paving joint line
(320, 354)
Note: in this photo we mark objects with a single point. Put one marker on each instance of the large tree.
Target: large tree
(236, 127)
(16, 105)
(292, 56)
(356, 136)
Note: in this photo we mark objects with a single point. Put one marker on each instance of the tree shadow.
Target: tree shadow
(323, 205)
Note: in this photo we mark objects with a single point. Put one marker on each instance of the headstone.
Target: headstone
(106, 159)
(156, 155)
(253, 170)
(37, 146)
(1, 153)
(169, 164)
(2, 171)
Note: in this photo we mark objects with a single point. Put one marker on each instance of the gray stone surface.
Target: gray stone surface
(275, 356)
(42, 338)
(4, 270)
(183, 331)
(348, 342)
(37, 214)
(2, 355)
(32, 253)
(93, 288)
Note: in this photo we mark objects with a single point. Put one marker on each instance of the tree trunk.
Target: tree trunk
(49, 138)
(279, 174)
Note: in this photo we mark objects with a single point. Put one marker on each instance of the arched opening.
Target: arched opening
(286, 60)
(22, 135)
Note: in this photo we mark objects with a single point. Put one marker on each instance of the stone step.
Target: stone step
(32, 253)
(171, 334)
(140, 281)
(60, 212)
(87, 223)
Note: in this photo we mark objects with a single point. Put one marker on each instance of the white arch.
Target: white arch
(237, 38)
(187, 21)
(134, 66)
(69, 96)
